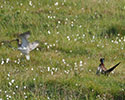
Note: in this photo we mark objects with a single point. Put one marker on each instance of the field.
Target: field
(73, 35)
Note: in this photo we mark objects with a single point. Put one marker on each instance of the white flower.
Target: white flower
(80, 26)
(70, 51)
(12, 80)
(34, 79)
(2, 62)
(102, 46)
(77, 34)
(48, 69)
(66, 18)
(24, 87)
(5, 2)
(48, 46)
(75, 63)
(80, 62)
(75, 39)
(54, 45)
(10, 83)
(21, 4)
(18, 62)
(119, 40)
(48, 98)
(54, 17)
(57, 32)
(67, 65)
(15, 61)
(17, 86)
(49, 32)
(51, 72)
(112, 72)
(55, 69)
(9, 96)
(31, 68)
(13, 93)
(89, 70)
(56, 4)
(7, 60)
(97, 45)
(37, 49)
(67, 37)
(1, 6)
(63, 60)
(25, 96)
(62, 3)
(59, 22)
(30, 3)
(21, 54)
(72, 25)
(45, 43)
(8, 75)
(24, 11)
(116, 42)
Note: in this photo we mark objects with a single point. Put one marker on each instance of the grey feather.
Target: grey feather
(33, 45)
(25, 47)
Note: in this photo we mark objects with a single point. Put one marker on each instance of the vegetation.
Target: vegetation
(73, 35)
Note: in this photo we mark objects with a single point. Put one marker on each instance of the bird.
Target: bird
(102, 69)
(25, 46)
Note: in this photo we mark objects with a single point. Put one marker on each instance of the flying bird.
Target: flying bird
(102, 69)
(25, 47)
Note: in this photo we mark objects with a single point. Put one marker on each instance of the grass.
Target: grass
(73, 36)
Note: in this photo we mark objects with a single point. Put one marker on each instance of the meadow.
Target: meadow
(73, 35)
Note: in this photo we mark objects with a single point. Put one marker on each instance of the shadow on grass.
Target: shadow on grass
(114, 30)
(68, 90)
(62, 90)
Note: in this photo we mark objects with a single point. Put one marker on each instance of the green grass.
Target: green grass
(80, 30)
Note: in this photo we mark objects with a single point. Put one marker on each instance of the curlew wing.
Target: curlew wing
(24, 36)
(33, 45)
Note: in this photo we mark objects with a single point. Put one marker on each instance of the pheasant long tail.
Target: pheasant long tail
(112, 68)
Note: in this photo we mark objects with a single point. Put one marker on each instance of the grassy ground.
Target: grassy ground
(74, 35)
